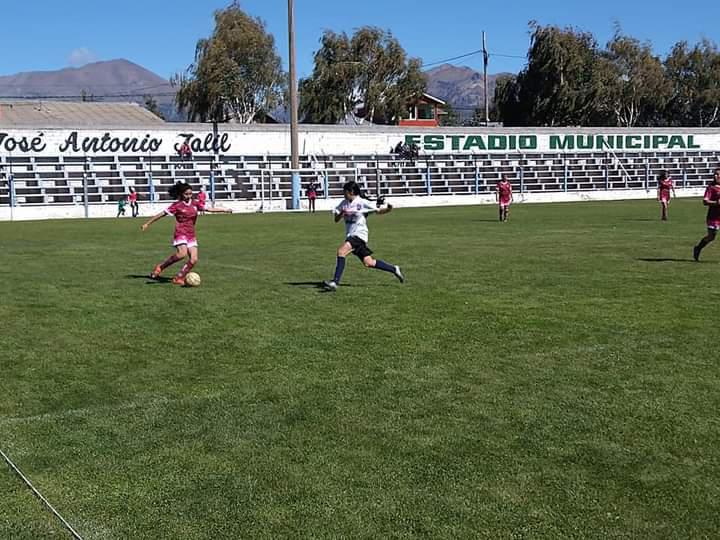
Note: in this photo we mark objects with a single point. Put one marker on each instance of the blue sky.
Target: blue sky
(161, 35)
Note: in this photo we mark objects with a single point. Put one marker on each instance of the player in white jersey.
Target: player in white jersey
(354, 210)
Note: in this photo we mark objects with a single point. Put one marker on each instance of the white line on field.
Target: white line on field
(39, 495)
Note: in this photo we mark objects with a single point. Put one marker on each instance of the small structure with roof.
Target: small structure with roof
(424, 112)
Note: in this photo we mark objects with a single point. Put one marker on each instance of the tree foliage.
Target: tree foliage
(368, 74)
(569, 80)
(694, 81)
(236, 74)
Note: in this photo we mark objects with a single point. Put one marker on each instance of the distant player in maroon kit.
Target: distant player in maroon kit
(202, 199)
(504, 197)
(185, 210)
(665, 186)
(712, 201)
(133, 200)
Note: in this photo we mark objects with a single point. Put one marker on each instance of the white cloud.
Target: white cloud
(81, 56)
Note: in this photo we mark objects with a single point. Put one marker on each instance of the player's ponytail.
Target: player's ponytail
(178, 189)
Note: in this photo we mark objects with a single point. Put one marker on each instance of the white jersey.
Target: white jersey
(355, 220)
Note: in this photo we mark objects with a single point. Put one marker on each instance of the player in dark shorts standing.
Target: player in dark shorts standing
(185, 211)
(504, 197)
(354, 210)
(665, 186)
(712, 201)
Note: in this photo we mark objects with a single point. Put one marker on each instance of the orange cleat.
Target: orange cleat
(177, 280)
(156, 272)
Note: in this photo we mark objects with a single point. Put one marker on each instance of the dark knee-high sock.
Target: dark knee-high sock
(172, 259)
(704, 242)
(385, 267)
(339, 269)
(185, 270)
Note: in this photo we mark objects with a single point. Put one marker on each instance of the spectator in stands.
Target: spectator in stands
(504, 197)
(122, 201)
(311, 195)
(133, 200)
(665, 186)
(185, 151)
(712, 201)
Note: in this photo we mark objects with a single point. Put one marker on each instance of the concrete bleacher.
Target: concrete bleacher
(57, 180)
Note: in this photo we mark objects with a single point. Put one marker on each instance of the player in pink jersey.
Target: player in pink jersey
(185, 210)
(712, 201)
(665, 186)
(504, 197)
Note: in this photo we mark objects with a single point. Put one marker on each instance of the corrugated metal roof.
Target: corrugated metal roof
(74, 114)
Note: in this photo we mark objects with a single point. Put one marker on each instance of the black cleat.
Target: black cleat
(696, 253)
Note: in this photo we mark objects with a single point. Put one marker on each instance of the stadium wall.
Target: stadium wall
(53, 172)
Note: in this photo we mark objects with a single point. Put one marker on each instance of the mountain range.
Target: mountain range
(122, 80)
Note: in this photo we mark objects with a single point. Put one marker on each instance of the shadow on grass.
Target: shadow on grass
(147, 279)
(485, 221)
(318, 285)
(667, 259)
(645, 220)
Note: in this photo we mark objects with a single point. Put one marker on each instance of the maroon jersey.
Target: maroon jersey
(186, 214)
(712, 194)
(665, 186)
(504, 192)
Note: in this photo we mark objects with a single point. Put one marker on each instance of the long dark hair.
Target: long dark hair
(353, 187)
(662, 176)
(178, 189)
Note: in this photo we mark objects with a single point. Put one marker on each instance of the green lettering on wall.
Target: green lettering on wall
(497, 142)
(677, 141)
(434, 142)
(528, 142)
(659, 140)
(455, 141)
(474, 141)
(566, 142)
(412, 139)
(630, 143)
(691, 142)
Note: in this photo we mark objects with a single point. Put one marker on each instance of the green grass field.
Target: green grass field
(553, 377)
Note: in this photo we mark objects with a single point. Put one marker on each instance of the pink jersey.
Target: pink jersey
(132, 197)
(712, 194)
(665, 186)
(202, 199)
(186, 214)
(504, 192)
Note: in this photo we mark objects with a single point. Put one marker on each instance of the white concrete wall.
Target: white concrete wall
(28, 213)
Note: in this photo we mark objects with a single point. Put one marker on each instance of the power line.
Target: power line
(473, 53)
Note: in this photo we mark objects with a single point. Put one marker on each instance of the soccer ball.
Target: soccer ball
(193, 279)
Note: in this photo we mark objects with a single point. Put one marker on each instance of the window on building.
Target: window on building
(426, 112)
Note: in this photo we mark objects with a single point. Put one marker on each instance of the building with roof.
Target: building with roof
(426, 111)
(24, 113)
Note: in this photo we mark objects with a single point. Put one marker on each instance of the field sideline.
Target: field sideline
(552, 377)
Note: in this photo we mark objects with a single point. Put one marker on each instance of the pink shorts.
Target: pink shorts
(184, 240)
(664, 198)
(504, 204)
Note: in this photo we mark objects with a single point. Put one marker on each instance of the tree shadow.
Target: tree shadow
(666, 259)
(147, 279)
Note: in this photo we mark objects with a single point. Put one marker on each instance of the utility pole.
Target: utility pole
(295, 158)
(485, 78)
